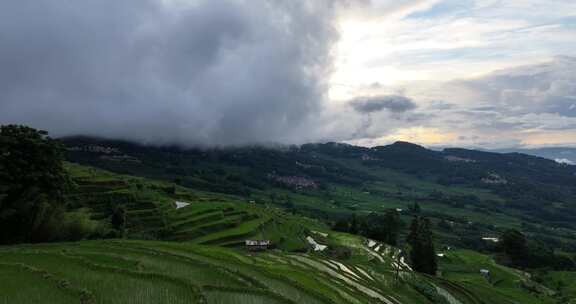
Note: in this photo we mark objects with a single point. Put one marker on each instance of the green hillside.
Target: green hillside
(124, 271)
(479, 193)
(169, 225)
(152, 211)
(503, 285)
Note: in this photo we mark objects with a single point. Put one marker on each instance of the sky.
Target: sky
(471, 73)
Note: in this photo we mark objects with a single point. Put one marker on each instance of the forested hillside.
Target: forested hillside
(118, 222)
(477, 193)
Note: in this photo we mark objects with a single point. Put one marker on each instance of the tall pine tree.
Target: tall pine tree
(421, 241)
(429, 252)
(392, 224)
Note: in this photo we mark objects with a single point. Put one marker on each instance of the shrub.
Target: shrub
(339, 252)
(78, 225)
(430, 292)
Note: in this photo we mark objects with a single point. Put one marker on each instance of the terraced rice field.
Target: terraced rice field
(120, 271)
(158, 210)
(210, 223)
(163, 272)
(504, 285)
(204, 260)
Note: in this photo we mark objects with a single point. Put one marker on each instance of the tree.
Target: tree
(364, 226)
(515, 246)
(392, 226)
(32, 183)
(341, 225)
(421, 241)
(354, 225)
(415, 208)
(118, 218)
(372, 226)
(414, 230)
(381, 227)
(429, 252)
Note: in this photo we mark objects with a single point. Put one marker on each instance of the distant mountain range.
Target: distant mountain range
(332, 180)
(564, 155)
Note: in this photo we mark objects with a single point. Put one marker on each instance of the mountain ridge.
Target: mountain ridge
(538, 189)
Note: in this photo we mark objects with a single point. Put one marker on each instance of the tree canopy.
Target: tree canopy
(421, 241)
(381, 227)
(32, 183)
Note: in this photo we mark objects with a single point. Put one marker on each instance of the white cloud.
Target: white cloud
(355, 10)
(487, 68)
(240, 71)
(468, 38)
(564, 161)
(529, 105)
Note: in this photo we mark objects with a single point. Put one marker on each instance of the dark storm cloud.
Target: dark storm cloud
(191, 72)
(392, 103)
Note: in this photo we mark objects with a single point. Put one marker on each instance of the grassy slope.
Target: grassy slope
(158, 272)
(394, 190)
(401, 175)
(563, 281)
(504, 284)
(121, 271)
(210, 218)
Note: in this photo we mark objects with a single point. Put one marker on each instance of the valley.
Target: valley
(172, 225)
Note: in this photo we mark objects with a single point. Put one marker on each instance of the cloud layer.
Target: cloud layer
(234, 72)
(528, 105)
(392, 103)
(190, 72)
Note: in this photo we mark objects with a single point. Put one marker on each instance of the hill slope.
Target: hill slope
(160, 210)
(166, 272)
(311, 264)
(479, 193)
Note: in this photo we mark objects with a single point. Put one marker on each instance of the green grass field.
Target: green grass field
(202, 258)
(209, 218)
(163, 272)
(121, 271)
(503, 285)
